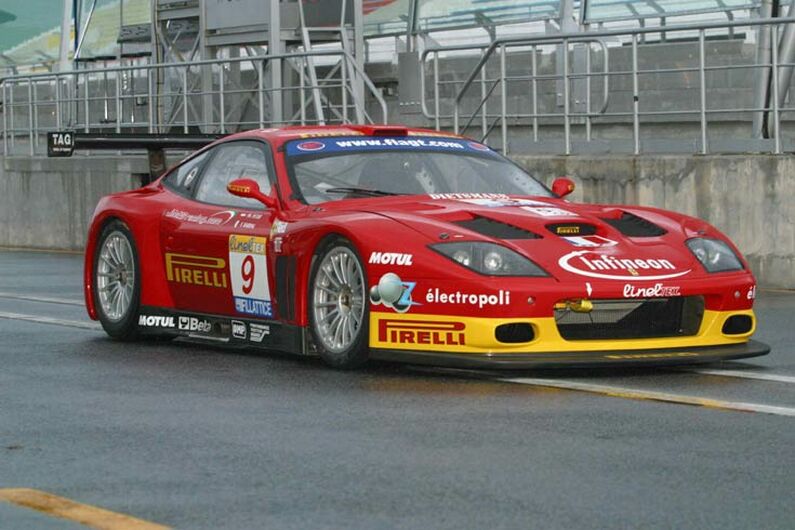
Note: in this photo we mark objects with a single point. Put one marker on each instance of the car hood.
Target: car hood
(570, 241)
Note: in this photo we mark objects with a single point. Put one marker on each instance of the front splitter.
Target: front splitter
(551, 360)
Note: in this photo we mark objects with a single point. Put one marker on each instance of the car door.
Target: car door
(215, 244)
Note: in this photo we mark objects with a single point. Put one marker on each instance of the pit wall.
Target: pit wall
(47, 203)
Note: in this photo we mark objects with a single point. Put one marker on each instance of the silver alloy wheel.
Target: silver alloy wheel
(115, 276)
(338, 299)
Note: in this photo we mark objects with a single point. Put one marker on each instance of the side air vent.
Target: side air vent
(285, 286)
(633, 226)
(496, 229)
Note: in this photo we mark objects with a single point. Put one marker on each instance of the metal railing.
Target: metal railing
(465, 104)
(214, 96)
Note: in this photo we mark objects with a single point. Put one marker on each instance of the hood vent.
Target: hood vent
(633, 226)
(496, 229)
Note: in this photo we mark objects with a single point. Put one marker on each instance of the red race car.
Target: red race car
(357, 242)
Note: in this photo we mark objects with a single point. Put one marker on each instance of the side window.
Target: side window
(233, 161)
(183, 177)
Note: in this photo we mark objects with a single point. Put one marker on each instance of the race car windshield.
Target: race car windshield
(402, 166)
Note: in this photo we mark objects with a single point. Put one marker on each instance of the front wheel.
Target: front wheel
(117, 281)
(338, 305)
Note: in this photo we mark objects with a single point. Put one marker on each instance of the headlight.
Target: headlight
(489, 259)
(714, 255)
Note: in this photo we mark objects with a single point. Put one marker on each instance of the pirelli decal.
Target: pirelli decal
(422, 332)
(203, 271)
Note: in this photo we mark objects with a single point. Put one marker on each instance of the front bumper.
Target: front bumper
(579, 359)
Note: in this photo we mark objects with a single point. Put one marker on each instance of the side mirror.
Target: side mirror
(249, 189)
(562, 186)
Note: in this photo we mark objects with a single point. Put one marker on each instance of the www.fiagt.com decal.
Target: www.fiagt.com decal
(397, 143)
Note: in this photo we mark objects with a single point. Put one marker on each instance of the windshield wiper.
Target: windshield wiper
(361, 191)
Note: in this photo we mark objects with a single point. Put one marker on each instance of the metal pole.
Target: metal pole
(302, 81)
(57, 102)
(702, 77)
(588, 92)
(260, 92)
(5, 121)
(762, 77)
(776, 94)
(11, 106)
(534, 70)
(504, 101)
(118, 102)
(66, 24)
(150, 108)
(86, 101)
(566, 124)
(436, 90)
(344, 87)
(484, 122)
(30, 115)
(635, 99)
(185, 100)
(786, 54)
(222, 111)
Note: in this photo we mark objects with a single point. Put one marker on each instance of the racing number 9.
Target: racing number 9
(247, 272)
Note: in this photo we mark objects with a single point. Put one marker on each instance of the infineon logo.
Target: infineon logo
(593, 265)
(311, 146)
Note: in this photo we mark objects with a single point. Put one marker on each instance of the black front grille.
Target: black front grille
(496, 229)
(633, 319)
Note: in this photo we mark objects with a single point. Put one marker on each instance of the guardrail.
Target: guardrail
(211, 97)
(468, 105)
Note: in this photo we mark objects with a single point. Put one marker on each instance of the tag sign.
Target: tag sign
(60, 143)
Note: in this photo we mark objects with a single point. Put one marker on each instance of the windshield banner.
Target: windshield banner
(396, 143)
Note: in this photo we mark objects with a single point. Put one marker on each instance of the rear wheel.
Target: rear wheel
(117, 282)
(338, 305)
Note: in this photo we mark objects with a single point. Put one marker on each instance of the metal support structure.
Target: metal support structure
(635, 98)
(762, 77)
(702, 88)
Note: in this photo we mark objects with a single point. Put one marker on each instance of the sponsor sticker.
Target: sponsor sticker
(156, 321)
(216, 219)
(589, 241)
(248, 266)
(245, 225)
(436, 296)
(469, 196)
(751, 293)
(391, 258)
(310, 146)
(239, 330)
(353, 143)
(422, 332)
(259, 332)
(548, 211)
(203, 271)
(591, 264)
(655, 291)
(199, 325)
(392, 292)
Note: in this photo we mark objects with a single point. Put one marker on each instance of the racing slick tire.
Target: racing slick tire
(117, 282)
(338, 305)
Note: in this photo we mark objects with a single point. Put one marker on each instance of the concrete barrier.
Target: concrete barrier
(47, 203)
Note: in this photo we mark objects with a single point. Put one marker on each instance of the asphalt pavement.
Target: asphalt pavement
(197, 436)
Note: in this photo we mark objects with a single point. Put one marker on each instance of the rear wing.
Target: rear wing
(65, 143)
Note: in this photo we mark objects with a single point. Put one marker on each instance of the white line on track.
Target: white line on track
(743, 374)
(47, 299)
(49, 320)
(632, 393)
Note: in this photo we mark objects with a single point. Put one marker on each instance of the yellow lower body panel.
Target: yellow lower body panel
(476, 335)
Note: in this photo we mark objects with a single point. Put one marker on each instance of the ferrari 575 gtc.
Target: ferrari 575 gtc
(357, 242)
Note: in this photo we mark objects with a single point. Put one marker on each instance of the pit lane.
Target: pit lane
(192, 435)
